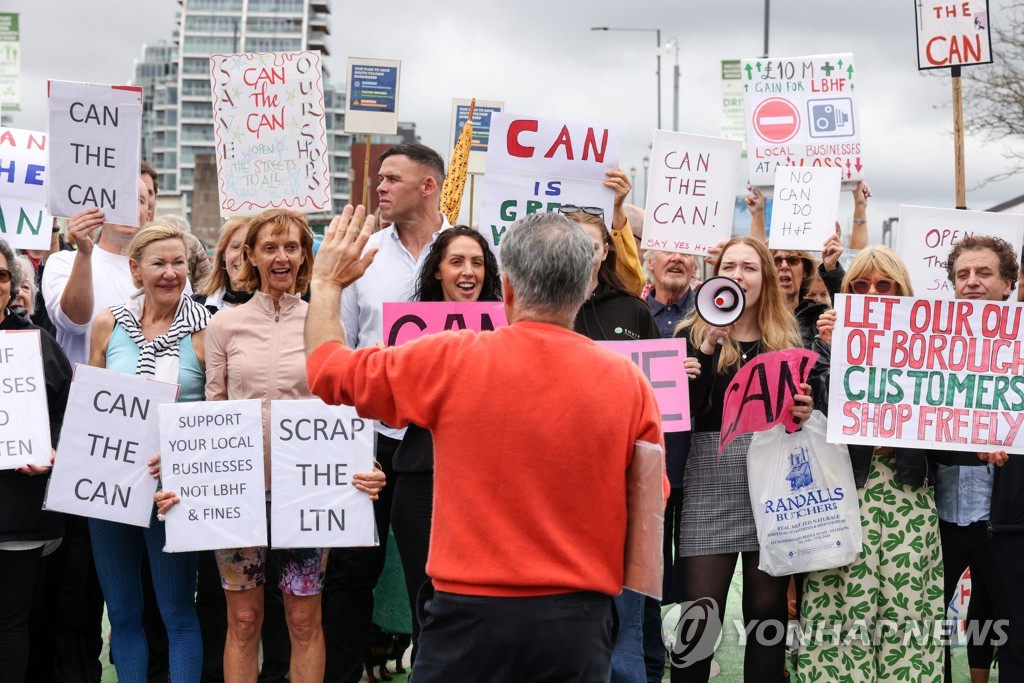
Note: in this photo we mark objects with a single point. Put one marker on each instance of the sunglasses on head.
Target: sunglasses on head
(5, 275)
(792, 260)
(882, 286)
(572, 208)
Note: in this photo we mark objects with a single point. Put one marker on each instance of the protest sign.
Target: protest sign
(692, 192)
(95, 139)
(211, 455)
(733, 123)
(271, 137)
(481, 129)
(927, 235)
(535, 165)
(663, 363)
(801, 111)
(10, 61)
(952, 34)
(372, 96)
(110, 432)
(760, 394)
(927, 373)
(405, 321)
(316, 450)
(24, 418)
(805, 207)
(24, 221)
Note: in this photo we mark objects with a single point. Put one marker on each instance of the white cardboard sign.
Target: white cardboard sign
(211, 455)
(691, 195)
(24, 418)
(806, 202)
(24, 220)
(95, 149)
(926, 236)
(372, 102)
(316, 450)
(952, 34)
(481, 129)
(110, 432)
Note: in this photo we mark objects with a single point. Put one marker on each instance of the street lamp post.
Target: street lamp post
(657, 33)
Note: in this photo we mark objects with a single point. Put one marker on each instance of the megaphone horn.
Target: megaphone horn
(720, 301)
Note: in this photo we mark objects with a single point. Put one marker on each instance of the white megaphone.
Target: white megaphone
(720, 301)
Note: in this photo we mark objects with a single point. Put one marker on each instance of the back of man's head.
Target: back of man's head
(548, 260)
(420, 154)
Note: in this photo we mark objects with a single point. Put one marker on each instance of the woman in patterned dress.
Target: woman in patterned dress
(875, 619)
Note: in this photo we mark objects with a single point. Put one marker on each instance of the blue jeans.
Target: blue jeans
(117, 551)
(628, 664)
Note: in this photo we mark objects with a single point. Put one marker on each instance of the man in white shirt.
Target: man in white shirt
(409, 192)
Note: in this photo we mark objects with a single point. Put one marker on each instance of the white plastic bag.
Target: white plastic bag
(804, 498)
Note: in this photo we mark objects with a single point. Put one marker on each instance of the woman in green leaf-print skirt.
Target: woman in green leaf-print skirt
(878, 619)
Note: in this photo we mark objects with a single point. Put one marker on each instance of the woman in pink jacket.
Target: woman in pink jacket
(256, 351)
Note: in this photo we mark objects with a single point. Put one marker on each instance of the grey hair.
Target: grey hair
(12, 265)
(28, 273)
(548, 260)
(173, 221)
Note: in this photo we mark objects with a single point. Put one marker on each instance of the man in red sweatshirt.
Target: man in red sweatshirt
(534, 428)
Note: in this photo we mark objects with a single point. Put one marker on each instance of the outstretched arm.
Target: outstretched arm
(339, 262)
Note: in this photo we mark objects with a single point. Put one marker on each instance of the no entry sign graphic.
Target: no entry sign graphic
(776, 120)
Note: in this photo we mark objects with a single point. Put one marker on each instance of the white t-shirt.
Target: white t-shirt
(111, 286)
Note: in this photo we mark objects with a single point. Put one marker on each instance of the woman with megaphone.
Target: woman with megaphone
(736, 321)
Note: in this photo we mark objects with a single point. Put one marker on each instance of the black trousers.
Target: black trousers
(467, 638)
(1008, 590)
(962, 547)
(410, 520)
(67, 614)
(352, 575)
(18, 570)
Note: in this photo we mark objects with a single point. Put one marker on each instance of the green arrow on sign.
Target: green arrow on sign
(750, 71)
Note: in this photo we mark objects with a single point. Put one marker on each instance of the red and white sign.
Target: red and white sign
(801, 112)
(776, 120)
(953, 34)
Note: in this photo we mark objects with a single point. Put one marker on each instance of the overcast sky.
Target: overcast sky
(541, 58)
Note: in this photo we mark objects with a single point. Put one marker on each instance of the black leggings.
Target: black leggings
(764, 599)
(18, 569)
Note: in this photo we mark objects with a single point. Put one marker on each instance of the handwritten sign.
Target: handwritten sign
(801, 111)
(536, 165)
(406, 321)
(24, 221)
(110, 432)
(663, 363)
(211, 455)
(481, 129)
(271, 137)
(806, 203)
(952, 34)
(24, 419)
(372, 103)
(759, 396)
(927, 235)
(95, 148)
(692, 192)
(316, 450)
(927, 373)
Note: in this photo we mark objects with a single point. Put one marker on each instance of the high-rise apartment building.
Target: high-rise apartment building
(177, 104)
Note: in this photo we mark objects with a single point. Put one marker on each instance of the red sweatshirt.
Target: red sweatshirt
(534, 427)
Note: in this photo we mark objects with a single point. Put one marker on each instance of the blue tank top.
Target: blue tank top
(123, 356)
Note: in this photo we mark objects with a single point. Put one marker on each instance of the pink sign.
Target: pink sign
(405, 321)
(759, 396)
(663, 363)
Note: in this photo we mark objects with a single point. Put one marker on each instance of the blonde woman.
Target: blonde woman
(717, 522)
(862, 614)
